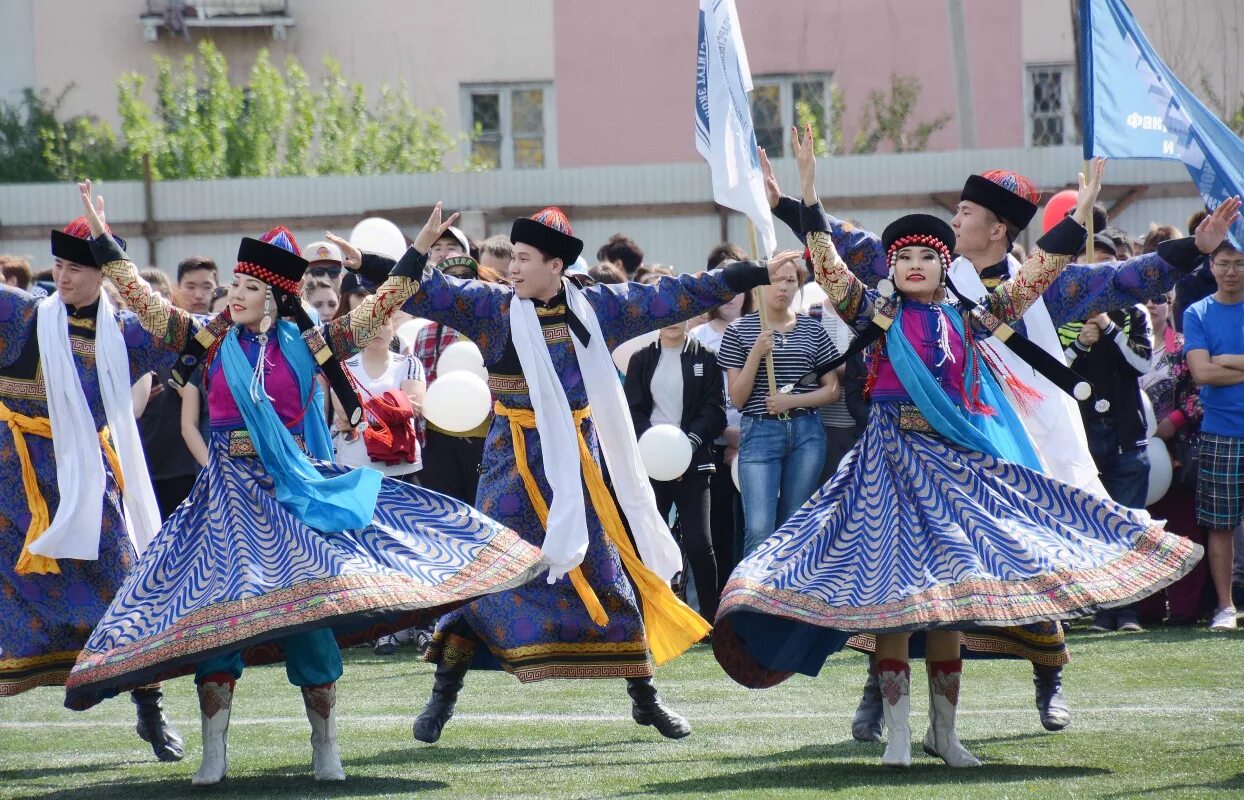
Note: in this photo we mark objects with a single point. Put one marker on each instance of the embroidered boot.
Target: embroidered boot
(894, 678)
(941, 740)
(325, 760)
(440, 708)
(868, 722)
(1051, 704)
(647, 709)
(154, 728)
(215, 702)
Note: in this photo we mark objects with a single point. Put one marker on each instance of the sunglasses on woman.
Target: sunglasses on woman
(1159, 300)
(325, 272)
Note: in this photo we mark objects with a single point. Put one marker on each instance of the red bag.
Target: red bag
(390, 431)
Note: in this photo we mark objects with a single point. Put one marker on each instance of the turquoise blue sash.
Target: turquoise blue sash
(1001, 435)
(344, 502)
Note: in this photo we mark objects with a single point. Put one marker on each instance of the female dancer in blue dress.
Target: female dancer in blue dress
(940, 518)
(275, 546)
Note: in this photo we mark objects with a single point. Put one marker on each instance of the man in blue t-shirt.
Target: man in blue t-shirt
(1214, 347)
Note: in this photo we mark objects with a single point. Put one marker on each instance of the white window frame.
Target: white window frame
(1070, 82)
(786, 98)
(505, 93)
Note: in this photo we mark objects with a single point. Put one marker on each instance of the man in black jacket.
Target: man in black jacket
(1113, 351)
(676, 381)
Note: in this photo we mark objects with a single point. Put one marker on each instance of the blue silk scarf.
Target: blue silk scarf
(1001, 435)
(344, 502)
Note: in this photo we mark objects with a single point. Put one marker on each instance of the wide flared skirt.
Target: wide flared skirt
(232, 569)
(915, 533)
(539, 630)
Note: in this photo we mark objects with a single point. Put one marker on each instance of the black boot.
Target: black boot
(869, 720)
(154, 728)
(440, 708)
(1051, 704)
(647, 709)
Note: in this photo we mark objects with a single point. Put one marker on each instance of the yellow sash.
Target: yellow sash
(20, 425)
(672, 626)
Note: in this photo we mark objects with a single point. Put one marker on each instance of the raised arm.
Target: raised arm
(627, 310)
(472, 307)
(477, 309)
(860, 250)
(1053, 252)
(848, 296)
(1085, 290)
(349, 334)
(167, 326)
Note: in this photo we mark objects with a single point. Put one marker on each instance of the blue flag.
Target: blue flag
(1133, 106)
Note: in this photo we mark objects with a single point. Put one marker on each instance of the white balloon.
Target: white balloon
(378, 235)
(1151, 419)
(734, 472)
(457, 402)
(1160, 471)
(461, 357)
(666, 452)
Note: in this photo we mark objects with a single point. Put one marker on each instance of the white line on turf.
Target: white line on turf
(1080, 713)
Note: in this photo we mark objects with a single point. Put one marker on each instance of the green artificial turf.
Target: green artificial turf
(1156, 714)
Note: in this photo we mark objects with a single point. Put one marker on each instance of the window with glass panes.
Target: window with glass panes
(780, 101)
(508, 125)
(1050, 105)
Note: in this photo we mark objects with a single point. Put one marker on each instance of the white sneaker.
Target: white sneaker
(1224, 619)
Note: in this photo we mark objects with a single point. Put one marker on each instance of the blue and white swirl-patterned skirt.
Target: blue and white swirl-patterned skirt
(916, 533)
(232, 569)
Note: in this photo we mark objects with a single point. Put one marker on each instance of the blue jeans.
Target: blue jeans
(779, 468)
(1124, 471)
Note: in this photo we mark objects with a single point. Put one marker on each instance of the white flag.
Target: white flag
(723, 118)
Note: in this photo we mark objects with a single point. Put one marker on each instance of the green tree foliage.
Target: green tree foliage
(36, 147)
(201, 125)
(886, 118)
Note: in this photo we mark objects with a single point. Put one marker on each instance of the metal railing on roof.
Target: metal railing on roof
(176, 17)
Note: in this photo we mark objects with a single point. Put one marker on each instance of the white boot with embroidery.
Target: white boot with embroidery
(895, 681)
(215, 703)
(321, 702)
(942, 740)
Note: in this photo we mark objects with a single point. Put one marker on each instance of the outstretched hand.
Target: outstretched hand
(351, 256)
(805, 157)
(1090, 188)
(1213, 229)
(773, 192)
(92, 209)
(433, 229)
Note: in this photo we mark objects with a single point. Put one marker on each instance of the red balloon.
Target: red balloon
(1056, 208)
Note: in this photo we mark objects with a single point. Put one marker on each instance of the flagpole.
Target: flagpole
(758, 298)
(1081, 18)
(1090, 254)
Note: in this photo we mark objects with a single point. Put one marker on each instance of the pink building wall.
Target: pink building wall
(625, 71)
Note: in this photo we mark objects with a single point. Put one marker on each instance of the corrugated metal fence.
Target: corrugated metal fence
(668, 209)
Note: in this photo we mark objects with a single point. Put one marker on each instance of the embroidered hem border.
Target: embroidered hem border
(538, 662)
(1156, 560)
(19, 675)
(241, 623)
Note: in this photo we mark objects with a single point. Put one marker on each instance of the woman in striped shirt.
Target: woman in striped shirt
(782, 447)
